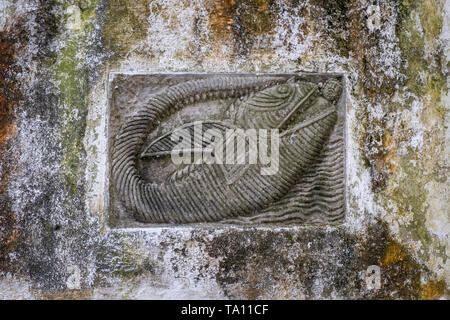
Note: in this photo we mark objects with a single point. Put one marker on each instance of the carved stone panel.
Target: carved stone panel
(226, 148)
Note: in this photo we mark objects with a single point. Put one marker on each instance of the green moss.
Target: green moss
(71, 74)
(73, 90)
(419, 25)
(424, 76)
(87, 12)
(410, 195)
(442, 111)
(133, 260)
(431, 16)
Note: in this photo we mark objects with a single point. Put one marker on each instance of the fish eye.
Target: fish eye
(283, 89)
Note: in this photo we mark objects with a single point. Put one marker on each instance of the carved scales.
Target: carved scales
(309, 182)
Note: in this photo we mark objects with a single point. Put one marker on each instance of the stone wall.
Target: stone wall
(55, 60)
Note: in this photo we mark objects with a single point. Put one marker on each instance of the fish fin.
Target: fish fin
(233, 172)
(189, 138)
(291, 80)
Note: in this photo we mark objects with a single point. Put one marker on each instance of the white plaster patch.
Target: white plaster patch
(6, 10)
(445, 32)
(438, 214)
(73, 21)
(14, 288)
(416, 140)
(96, 145)
(289, 42)
(171, 33)
(361, 205)
(145, 287)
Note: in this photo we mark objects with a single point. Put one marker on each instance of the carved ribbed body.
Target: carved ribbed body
(204, 196)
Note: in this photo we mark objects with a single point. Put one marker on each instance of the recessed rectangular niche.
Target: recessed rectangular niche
(171, 136)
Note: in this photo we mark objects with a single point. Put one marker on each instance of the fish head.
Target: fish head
(283, 106)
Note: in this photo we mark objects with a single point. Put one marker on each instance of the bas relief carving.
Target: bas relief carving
(307, 187)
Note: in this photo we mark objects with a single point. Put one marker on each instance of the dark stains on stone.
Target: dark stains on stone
(47, 24)
(11, 42)
(271, 260)
(374, 150)
(52, 220)
(243, 21)
(347, 25)
(314, 262)
(124, 25)
(122, 256)
(419, 73)
(37, 242)
(252, 258)
(336, 15)
(400, 273)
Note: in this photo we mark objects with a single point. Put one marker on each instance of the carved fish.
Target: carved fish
(206, 193)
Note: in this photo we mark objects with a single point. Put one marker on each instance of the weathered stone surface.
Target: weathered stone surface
(57, 238)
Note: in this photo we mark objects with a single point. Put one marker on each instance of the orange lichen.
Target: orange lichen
(390, 151)
(395, 253)
(240, 23)
(221, 18)
(432, 290)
